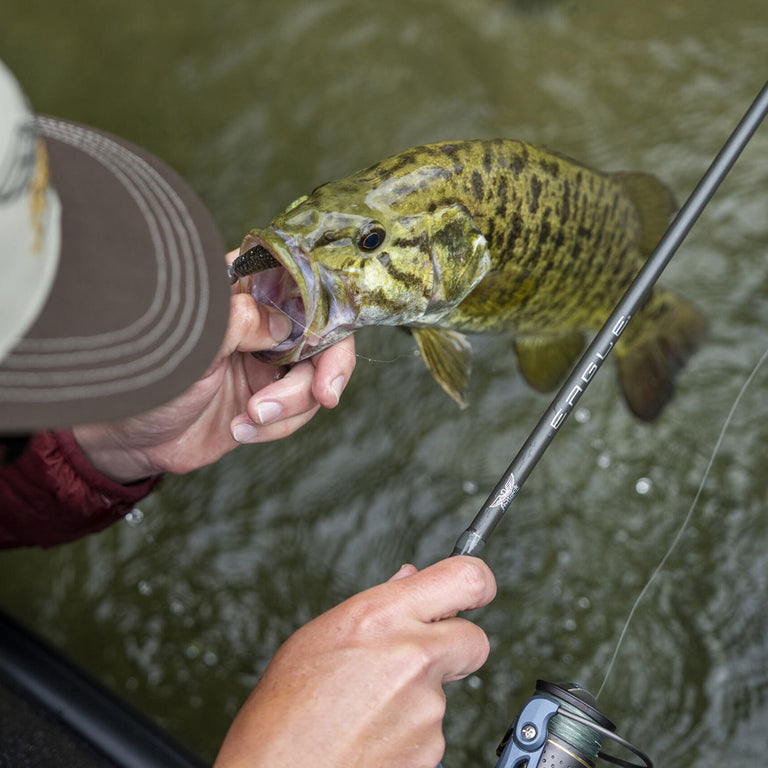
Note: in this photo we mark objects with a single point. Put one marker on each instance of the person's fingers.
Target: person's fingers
(435, 594)
(246, 431)
(453, 647)
(289, 402)
(459, 648)
(256, 326)
(253, 327)
(334, 369)
(277, 409)
(405, 570)
(288, 397)
(258, 375)
(443, 589)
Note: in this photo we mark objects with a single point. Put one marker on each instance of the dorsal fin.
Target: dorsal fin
(654, 202)
(447, 354)
(545, 360)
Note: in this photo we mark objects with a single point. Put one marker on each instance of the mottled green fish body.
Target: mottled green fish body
(480, 236)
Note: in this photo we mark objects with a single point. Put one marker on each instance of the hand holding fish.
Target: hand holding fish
(362, 684)
(237, 400)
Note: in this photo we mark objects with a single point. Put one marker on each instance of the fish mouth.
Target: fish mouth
(296, 288)
(284, 287)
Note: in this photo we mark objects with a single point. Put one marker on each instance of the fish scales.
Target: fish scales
(556, 213)
(479, 236)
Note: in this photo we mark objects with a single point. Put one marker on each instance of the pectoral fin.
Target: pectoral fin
(447, 354)
(545, 360)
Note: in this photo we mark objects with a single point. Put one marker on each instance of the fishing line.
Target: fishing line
(356, 354)
(687, 519)
(399, 356)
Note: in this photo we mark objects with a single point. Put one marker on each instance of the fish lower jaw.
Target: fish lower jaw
(293, 351)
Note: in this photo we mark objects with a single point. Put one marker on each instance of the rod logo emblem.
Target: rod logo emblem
(506, 494)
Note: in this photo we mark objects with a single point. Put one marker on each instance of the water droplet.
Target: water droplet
(584, 602)
(469, 487)
(474, 682)
(134, 517)
(210, 658)
(569, 625)
(604, 460)
(191, 651)
(144, 587)
(643, 486)
(582, 415)
(177, 607)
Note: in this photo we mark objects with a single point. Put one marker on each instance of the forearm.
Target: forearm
(52, 494)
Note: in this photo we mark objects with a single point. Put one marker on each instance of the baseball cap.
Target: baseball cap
(113, 293)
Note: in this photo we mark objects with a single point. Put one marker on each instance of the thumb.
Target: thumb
(405, 570)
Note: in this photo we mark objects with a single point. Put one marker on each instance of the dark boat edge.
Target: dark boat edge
(68, 699)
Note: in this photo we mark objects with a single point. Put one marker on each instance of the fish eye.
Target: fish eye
(371, 238)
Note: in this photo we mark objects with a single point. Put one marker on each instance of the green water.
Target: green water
(257, 103)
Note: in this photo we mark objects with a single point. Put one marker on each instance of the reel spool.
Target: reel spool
(560, 726)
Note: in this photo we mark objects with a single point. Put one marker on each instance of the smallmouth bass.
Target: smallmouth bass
(478, 236)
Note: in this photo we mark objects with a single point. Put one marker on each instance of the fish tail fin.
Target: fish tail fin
(654, 203)
(654, 349)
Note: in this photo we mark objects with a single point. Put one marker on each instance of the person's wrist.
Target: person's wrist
(109, 456)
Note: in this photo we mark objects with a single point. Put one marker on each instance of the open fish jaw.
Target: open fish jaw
(296, 289)
(282, 287)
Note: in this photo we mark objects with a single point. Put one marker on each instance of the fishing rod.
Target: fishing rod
(473, 539)
(561, 724)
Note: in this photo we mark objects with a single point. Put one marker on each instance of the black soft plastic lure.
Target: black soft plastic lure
(257, 259)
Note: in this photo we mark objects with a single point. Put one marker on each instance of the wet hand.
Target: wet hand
(237, 400)
(363, 684)
(282, 399)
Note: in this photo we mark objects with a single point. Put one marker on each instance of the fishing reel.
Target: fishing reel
(560, 725)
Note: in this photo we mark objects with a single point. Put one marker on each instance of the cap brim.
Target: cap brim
(140, 302)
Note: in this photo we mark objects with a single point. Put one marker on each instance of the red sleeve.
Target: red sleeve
(51, 494)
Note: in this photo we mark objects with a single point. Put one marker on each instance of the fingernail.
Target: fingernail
(280, 326)
(245, 433)
(337, 387)
(268, 411)
(405, 570)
